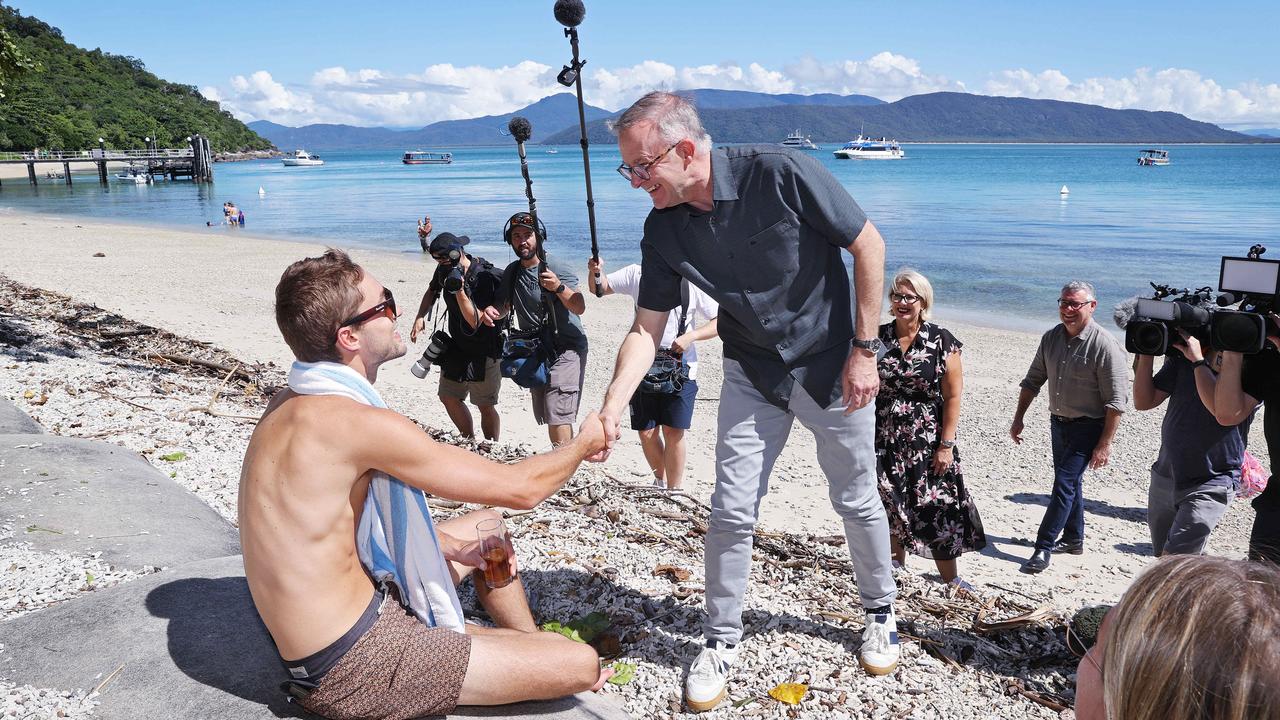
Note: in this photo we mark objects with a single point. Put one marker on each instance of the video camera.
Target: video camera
(1251, 284)
(453, 281)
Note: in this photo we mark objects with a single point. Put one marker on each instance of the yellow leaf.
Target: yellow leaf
(789, 693)
(29, 394)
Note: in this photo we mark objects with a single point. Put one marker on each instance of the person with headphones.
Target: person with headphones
(544, 295)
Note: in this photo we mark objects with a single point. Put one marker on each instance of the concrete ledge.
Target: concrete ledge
(14, 421)
(84, 496)
(187, 643)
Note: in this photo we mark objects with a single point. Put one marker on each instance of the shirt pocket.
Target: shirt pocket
(771, 253)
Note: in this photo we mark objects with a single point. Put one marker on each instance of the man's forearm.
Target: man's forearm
(705, 331)
(1109, 425)
(868, 281)
(545, 473)
(634, 359)
(1025, 396)
(428, 299)
(470, 314)
(1144, 389)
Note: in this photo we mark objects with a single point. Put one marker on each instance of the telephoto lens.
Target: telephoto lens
(453, 281)
(439, 343)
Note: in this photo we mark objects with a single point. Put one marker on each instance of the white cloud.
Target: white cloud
(447, 92)
(1172, 89)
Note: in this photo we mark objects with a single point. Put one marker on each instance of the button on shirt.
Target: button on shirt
(769, 253)
(1087, 374)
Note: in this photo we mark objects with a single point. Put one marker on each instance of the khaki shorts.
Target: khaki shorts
(556, 403)
(483, 392)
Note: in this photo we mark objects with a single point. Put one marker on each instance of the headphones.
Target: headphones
(526, 219)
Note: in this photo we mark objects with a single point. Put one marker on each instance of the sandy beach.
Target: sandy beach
(217, 287)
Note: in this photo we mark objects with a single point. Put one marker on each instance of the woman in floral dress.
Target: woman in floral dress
(917, 411)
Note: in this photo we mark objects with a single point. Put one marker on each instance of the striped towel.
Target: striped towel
(396, 539)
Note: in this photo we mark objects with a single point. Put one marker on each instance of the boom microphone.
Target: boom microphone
(570, 13)
(1125, 312)
(520, 129)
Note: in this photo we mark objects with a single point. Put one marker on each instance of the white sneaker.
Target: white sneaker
(879, 655)
(708, 677)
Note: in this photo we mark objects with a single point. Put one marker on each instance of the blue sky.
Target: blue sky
(409, 63)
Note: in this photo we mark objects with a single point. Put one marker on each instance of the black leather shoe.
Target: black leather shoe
(1070, 548)
(1037, 564)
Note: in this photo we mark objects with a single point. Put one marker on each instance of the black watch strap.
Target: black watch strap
(560, 289)
(1200, 363)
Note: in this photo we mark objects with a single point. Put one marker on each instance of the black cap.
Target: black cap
(446, 241)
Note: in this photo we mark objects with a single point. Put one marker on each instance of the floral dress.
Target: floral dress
(932, 516)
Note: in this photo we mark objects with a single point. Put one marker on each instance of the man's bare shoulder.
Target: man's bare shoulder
(321, 415)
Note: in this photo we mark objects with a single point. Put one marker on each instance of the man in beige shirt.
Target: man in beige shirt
(1085, 368)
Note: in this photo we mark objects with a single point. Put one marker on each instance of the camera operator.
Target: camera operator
(1244, 382)
(470, 364)
(1197, 472)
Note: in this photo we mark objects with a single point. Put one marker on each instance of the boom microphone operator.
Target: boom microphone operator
(570, 13)
(521, 130)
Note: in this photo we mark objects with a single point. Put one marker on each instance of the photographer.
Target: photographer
(1197, 472)
(662, 418)
(469, 365)
(1244, 382)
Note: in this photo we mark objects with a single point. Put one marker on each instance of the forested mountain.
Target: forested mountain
(707, 98)
(75, 96)
(951, 117)
(547, 116)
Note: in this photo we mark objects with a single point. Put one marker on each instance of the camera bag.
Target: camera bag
(669, 372)
(527, 355)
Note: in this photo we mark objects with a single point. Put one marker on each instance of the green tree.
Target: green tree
(13, 62)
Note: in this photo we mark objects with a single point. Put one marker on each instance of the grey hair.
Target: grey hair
(1079, 286)
(674, 116)
(920, 284)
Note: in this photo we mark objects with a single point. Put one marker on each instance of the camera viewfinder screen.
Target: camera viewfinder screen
(1246, 275)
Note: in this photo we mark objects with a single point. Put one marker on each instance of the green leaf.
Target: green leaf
(591, 625)
(174, 456)
(623, 673)
(88, 578)
(564, 630)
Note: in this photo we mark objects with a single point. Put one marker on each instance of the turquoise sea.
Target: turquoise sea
(985, 222)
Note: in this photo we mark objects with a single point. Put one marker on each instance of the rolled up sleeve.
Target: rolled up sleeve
(1036, 374)
(1113, 378)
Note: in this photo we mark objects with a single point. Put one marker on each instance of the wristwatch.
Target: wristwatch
(874, 344)
(1200, 362)
(948, 444)
(559, 289)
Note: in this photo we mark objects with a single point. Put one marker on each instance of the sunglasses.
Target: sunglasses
(387, 307)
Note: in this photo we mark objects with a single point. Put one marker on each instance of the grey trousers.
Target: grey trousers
(752, 433)
(1181, 520)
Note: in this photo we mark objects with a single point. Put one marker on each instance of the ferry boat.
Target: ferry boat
(862, 148)
(1153, 157)
(797, 140)
(423, 157)
(301, 158)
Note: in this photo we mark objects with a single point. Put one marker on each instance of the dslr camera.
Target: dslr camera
(453, 281)
(1234, 318)
(439, 345)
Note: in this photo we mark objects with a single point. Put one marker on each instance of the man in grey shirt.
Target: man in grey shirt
(1085, 368)
(760, 229)
(540, 296)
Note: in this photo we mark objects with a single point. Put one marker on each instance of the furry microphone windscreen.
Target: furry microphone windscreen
(570, 13)
(520, 129)
(1125, 311)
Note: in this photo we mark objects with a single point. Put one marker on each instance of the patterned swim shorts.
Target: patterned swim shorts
(400, 669)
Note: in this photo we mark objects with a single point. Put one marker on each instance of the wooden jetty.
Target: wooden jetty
(194, 161)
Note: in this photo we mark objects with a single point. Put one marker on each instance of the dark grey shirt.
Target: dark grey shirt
(1194, 449)
(769, 253)
(1087, 374)
(520, 288)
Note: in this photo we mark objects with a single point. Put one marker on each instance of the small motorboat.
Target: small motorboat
(552, 151)
(301, 158)
(426, 157)
(1153, 156)
(134, 175)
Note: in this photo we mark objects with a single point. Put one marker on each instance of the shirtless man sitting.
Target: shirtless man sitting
(352, 650)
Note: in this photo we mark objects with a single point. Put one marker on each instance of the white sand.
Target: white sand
(217, 286)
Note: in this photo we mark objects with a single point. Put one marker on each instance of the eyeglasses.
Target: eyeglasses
(1072, 305)
(900, 298)
(387, 307)
(642, 170)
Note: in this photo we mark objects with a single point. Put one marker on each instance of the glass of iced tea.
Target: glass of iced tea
(495, 548)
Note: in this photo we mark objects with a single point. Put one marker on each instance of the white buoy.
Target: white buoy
(263, 193)
(1064, 191)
